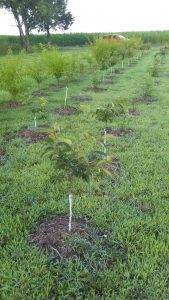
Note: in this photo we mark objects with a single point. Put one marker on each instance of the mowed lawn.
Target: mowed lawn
(126, 254)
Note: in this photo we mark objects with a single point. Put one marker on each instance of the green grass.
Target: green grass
(136, 243)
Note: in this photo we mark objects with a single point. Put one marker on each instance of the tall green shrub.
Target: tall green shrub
(55, 62)
(13, 78)
(37, 70)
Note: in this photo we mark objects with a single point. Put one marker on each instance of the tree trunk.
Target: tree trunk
(22, 37)
(28, 46)
(48, 34)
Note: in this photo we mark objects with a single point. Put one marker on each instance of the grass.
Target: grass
(128, 257)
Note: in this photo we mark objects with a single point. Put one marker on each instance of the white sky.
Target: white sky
(108, 16)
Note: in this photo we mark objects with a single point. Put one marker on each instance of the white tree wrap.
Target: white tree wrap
(70, 211)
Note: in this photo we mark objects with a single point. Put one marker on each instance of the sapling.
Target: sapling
(147, 86)
(101, 50)
(121, 109)
(37, 70)
(71, 67)
(68, 160)
(95, 80)
(163, 52)
(55, 63)
(105, 115)
(41, 108)
(122, 52)
(154, 70)
(13, 76)
(111, 71)
(90, 60)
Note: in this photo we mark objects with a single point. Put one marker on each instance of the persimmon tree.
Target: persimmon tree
(13, 76)
(55, 63)
(67, 158)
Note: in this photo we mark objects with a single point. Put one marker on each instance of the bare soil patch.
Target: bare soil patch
(13, 105)
(82, 98)
(133, 112)
(107, 82)
(110, 77)
(68, 111)
(56, 85)
(145, 208)
(52, 234)
(118, 71)
(3, 158)
(40, 94)
(119, 132)
(95, 89)
(43, 126)
(144, 99)
(113, 167)
(133, 63)
(32, 135)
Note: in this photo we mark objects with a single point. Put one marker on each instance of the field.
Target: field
(79, 39)
(118, 248)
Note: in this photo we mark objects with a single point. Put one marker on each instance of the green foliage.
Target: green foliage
(66, 158)
(121, 106)
(37, 70)
(5, 46)
(13, 76)
(110, 111)
(101, 51)
(40, 108)
(52, 14)
(90, 59)
(71, 67)
(123, 253)
(55, 62)
(150, 37)
(95, 79)
(154, 70)
(108, 52)
(82, 39)
(147, 86)
(105, 114)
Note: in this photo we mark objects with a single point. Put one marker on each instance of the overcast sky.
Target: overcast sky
(108, 16)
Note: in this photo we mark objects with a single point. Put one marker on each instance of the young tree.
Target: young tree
(55, 62)
(147, 86)
(13, 77)
(105, 114)
(67, 159)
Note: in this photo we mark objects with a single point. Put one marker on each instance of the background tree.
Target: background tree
(53, 14)
(23, 12)
(38, 14)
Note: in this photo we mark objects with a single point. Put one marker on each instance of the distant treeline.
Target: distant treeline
(153, 37)
(79, 39)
